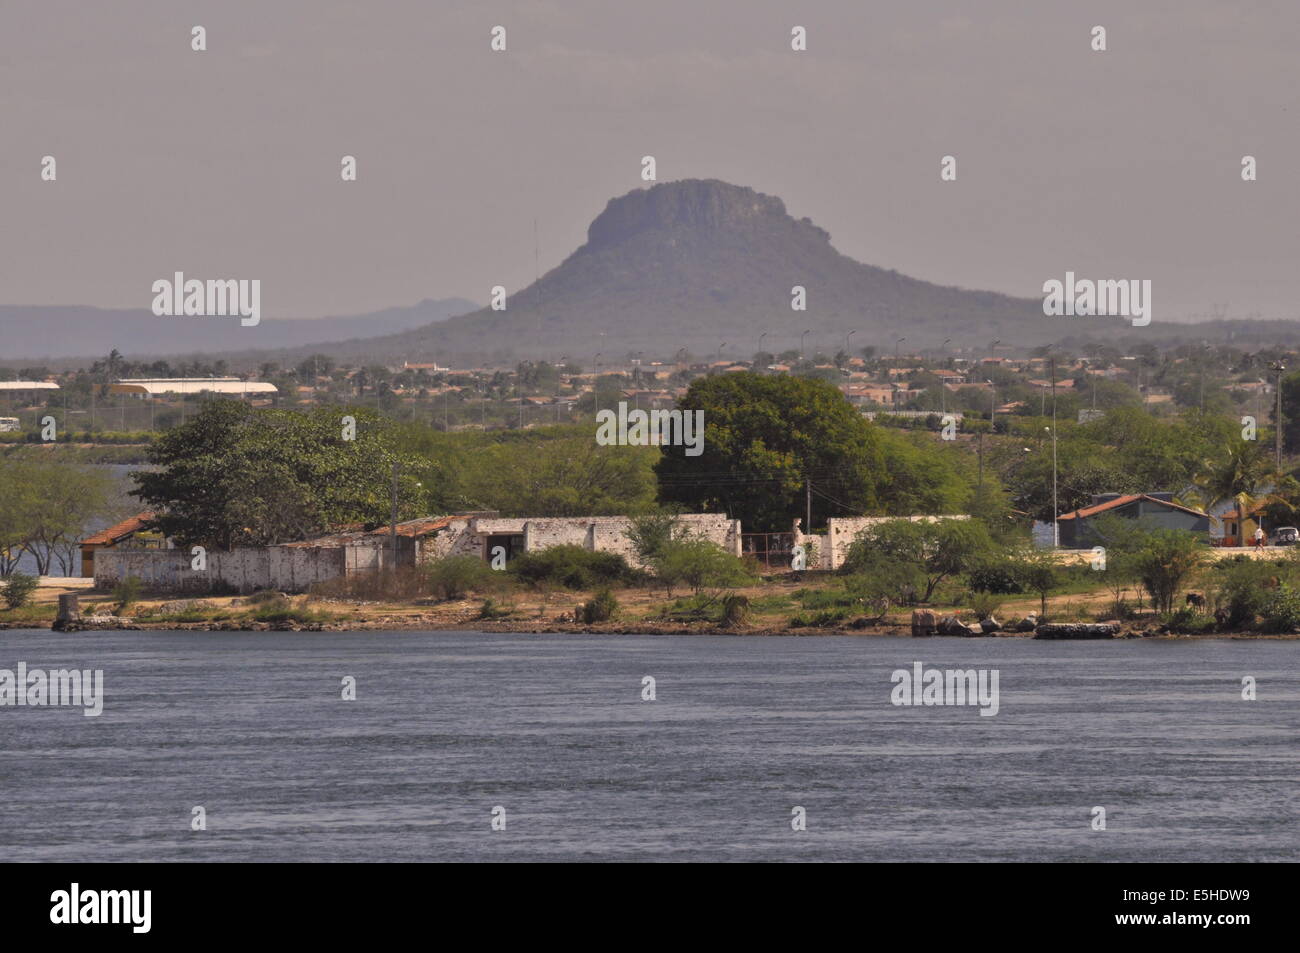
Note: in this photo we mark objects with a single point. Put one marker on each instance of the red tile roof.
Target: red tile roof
(1124, 501)
(418, 527)
(107, 537)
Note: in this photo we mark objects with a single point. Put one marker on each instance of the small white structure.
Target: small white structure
(829, 551)
(159, 386)
(8, 424)
(20, 386)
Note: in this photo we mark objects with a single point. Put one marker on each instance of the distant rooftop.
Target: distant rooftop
(150, 386)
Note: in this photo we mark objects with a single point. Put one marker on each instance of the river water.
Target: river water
(553, 730)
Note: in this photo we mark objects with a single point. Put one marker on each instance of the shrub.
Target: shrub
(127, 591)
(1239, 592)
(825, 619)
(455, 576)
(602, 607)
(265, 597)
(1037, 571)
(491, 609)
(17, 591)
(572, 567)
(828, 598)
(1281, 610)
(735, 610)
(1187, 620)
(650, 533)
(984, 604)
(1164, 563)
(890, 581)
(997, 578)
(279, 609)
(699, 563)
(932, 549)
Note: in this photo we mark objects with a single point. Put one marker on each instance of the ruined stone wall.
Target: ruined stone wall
(830, 550)
(286, 568)
(606, 534)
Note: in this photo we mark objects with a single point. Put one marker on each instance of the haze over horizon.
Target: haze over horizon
(1122, 164)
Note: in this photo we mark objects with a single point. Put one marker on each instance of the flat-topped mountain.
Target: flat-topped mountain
(696, 263)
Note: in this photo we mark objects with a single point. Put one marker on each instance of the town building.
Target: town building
(162, 386)
(130, 534)
(1155, 510)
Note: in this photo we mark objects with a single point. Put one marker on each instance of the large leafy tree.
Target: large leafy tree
(236, 475)
(566, 476)
(764, 437)
(47, 507)
(935, 550)
(546, 471)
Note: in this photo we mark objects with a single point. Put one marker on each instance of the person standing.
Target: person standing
(1259, 536)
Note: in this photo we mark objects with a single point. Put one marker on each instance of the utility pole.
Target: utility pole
(807, 491)
(1277, 436)
(1056, 529)
(392, 528)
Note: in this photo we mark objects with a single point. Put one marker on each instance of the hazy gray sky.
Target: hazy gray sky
(1123, 164)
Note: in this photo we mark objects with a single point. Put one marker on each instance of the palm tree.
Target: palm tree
(1247, 477)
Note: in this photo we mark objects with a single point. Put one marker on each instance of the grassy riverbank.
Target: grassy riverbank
(784, 604)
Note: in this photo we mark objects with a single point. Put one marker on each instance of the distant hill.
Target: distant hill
(689, 264)
(696, 263)
(35, 333)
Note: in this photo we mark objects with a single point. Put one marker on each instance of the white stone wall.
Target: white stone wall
(596, 533)
(830, 550)
(286, 568)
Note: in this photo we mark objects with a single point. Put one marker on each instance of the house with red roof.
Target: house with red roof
(1157, 510)
(129, 534)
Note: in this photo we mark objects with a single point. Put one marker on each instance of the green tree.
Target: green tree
(1167, 559)
(48, 506)
(936, 549)
(650, 533)
(1037, 571)
(18, 589)
(1238, 475)
(698, 563)
(563, 475)
(241, 476)
(767, 437)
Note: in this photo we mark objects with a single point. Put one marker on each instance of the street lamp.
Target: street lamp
(760, 342)
(896, 343)
(850, 334)
(1056, 529)
(993, 402)
(801, 340)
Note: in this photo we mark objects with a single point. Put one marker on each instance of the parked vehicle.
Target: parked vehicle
(1284, 536)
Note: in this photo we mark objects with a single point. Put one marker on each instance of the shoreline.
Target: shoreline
(408, 624)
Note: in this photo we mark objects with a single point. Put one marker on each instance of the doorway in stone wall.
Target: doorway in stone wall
(513, 546)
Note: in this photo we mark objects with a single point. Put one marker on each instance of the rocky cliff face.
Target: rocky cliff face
(697, 204)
